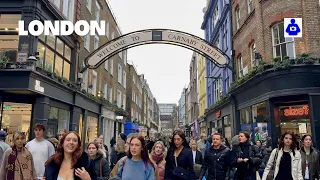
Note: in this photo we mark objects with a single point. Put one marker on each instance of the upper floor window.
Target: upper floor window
(107, 29)
(225, 36)
(111, 66)
(112, 35)
(282, 46)
(254, 61)
(217, 89)
(120, 74)
(238, 18)
(87, 42)
(240, 66)
(96, 42)
(250, 6)
(89, 4)
(215, 16)
(97, 11)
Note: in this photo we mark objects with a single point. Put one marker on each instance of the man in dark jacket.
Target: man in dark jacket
(216, 160)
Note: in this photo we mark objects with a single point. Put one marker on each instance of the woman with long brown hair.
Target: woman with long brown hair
(285, 160)
(158, 157)
(101, 165)
(69, 162)
(179, 161)
(17, 162)
(137, 165)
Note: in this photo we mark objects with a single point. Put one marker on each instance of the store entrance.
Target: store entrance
(296, 119)
(15, 117)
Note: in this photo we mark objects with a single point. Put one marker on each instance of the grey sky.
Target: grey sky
(166, 67)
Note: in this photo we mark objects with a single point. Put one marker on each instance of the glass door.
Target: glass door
(16, 117)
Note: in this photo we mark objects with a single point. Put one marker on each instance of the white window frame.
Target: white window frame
(105, 91)
(238, 16)
(120, 73)
(89, 5)
(96, 42)
(250, 6)
(119, 94)
(94, 82)
(68, 9)
(111, 95)
(240, 65)
(215, 16)
(112, 35)
(111, 67)
(87, 42)
(124, 101)
(97, 13)
(106, 65)
(124, 54)
(253, 50)
(85, 78)
(288, 42)
(124, 79)
(108, 29)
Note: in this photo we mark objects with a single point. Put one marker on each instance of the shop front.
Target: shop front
(27, 97)
(279, 101)
(107, 125)
(219, 120)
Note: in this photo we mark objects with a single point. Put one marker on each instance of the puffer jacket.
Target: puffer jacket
(216, 161)
(296, 170)
(254, 156)
(104, 167)
(313, 159)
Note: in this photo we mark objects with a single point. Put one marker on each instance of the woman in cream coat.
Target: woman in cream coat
(288, 161)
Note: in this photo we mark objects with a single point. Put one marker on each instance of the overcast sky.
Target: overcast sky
(166, 67)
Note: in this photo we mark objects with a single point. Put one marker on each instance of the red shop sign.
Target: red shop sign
(301, 111)
(218, 114)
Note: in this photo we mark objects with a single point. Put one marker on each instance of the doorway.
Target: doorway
(15, 117)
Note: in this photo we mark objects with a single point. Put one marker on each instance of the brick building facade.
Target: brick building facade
(255, 30)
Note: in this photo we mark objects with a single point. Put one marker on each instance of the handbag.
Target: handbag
(101, 168)
(179, 172)
(270, 175)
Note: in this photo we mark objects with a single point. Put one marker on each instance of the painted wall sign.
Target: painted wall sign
(300, 111)
(155, 36)
(38, 87)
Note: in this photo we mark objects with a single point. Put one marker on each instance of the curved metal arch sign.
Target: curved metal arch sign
(155, 36)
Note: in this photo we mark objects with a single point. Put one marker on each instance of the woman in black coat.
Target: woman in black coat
(69, 154)
(101, 165)
(179, 159)
(246, 158)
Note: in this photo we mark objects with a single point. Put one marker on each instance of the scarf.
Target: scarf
(20, 166)
(157, 157)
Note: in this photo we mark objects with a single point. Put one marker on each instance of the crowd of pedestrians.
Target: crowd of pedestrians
(135, 157)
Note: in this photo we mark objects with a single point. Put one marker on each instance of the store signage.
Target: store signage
(300, 111)
(218, 114)
(38, 87)
(152, 36)
(62, 28)
(7, 107)
(22, 57)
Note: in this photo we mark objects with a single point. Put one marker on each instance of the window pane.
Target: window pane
(275, 35)
(281, 33)
(63, 119)
(278, 53)
(42, 37)
(49, 60)
(41, 50)
(51, 40)
(58, 66)
(60, 45)
(66, 70)
(290, 50)
(91, 131)
(283, 50)
(67, 52)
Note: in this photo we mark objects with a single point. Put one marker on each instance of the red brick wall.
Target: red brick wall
(256, 27)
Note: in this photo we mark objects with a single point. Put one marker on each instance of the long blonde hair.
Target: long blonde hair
(164, 152)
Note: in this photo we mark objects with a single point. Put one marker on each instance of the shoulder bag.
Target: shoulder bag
(270, 175)
(179, 172)
(101, 168)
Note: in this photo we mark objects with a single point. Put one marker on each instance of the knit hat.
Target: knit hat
(123, 136)
(3, 135)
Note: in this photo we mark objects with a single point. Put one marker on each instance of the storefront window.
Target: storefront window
(58, 119)
(91, 129)
(49, 60)
(227, 127)
(295, 118)
(9, 39)
(260, 113)
(58, 65)
(57, 57)
(16, 117)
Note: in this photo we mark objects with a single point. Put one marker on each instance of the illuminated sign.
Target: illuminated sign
(38, 87)
(301, 111)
